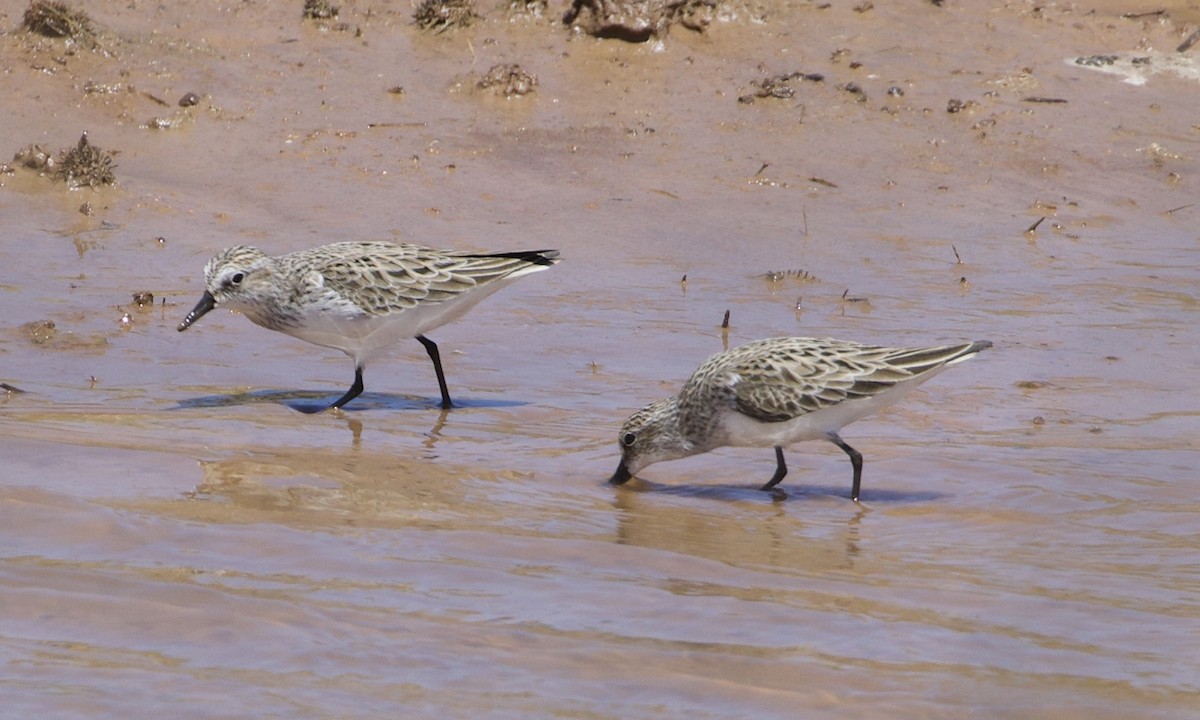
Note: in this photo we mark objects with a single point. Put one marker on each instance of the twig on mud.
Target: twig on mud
(1189, 42)
(1139, 15)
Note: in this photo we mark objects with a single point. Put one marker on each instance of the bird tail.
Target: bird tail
(533, 257)
(486, 267)
(921, 360)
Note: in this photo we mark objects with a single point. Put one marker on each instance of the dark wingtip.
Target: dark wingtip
(980, 345)
(541, 257)
(621, 476)
(533, 257)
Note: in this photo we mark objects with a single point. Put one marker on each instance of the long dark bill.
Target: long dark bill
(621, 476)
(207, 302)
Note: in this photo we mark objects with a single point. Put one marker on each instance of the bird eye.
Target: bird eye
(237, 278)
(628, 439)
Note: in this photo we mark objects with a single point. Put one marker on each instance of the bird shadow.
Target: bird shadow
(311, 401)
(730, 492)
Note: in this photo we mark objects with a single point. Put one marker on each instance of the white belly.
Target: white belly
(365, 337)
(742, 430)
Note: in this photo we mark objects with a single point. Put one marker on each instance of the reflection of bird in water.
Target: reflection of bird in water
(779, 391)
(325, 486)
(356, 428)
(360, 297)
(714, 522)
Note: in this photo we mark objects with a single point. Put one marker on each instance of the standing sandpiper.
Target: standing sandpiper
(360, 297)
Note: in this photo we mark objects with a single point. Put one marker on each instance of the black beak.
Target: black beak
(206, 303)
(621, 476)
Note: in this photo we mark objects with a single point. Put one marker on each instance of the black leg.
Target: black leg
(855, 460)
(780, 470)
(354, 391)
(432, 348)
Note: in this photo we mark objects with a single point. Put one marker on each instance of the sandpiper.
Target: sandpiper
(360, 297)
(779, 391)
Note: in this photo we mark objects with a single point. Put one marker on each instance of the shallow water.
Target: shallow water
(179, 540)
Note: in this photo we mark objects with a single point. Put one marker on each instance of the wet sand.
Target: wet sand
(180, 541)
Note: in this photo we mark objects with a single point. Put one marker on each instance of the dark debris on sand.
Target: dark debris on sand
(638, 20)
(57, 20)
(319, 10)
(508, 81)
(778, 86)
(438, 16)
(533, 9)
(39, 332)
(84, 165)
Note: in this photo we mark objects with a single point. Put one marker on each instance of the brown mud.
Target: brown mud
(180, 541)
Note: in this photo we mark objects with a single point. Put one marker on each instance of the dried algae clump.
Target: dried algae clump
(319, 10)
(438, 16)
(778, 86)
(508, 81)
(85, 164)
(638, 20)
(57, 20)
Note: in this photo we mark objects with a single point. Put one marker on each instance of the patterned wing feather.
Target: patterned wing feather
(783, 378)
(776, 394)
(373, 275)
(382, 277)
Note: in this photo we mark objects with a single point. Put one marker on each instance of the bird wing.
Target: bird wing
(382, 277)
(800, 378)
